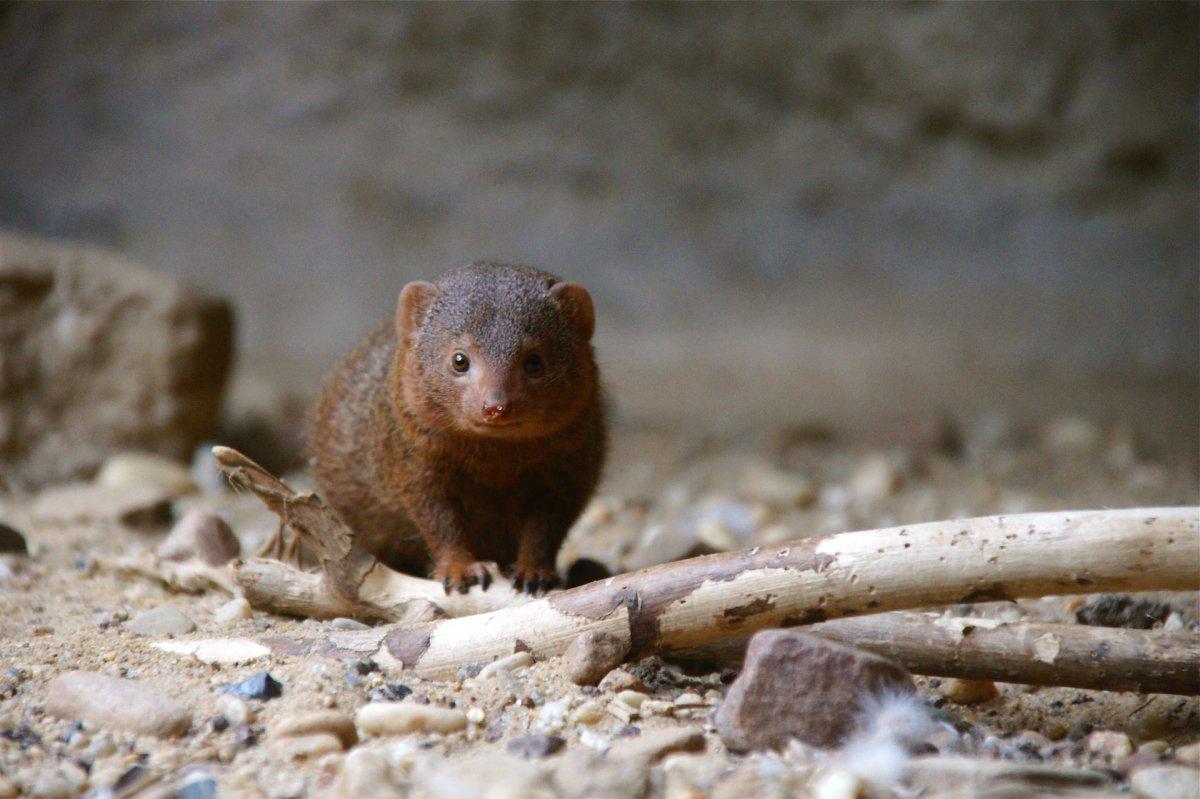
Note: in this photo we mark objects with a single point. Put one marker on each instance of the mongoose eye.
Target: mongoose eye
(534, 364)
(460, 362)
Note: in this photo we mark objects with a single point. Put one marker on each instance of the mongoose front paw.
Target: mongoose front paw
(459, 575)
(534, 579)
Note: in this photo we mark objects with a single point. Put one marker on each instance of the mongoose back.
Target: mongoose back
(469, 428)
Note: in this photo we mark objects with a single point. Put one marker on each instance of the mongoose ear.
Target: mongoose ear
(577, 303)
(415, 299)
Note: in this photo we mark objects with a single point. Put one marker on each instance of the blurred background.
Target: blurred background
(847, 212)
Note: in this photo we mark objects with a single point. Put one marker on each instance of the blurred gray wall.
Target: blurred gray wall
(1024, 176)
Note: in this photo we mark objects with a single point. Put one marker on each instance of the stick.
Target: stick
(1069, 655)
(350, 582)
(688, 603)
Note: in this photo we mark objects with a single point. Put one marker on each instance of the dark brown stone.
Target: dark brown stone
(796, 685)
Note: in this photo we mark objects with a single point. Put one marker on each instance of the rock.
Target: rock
(391, 718)
(1189, 754)
(1109, 744)
(652, 746)
(969, 692)
(795, 685)
(1123, 610)
(761, 482)
(535, 746)
(348, 624)
(101, 356)
(580, 774)
(138, 469)
(110, 703)
(202, 535)
(874, 479)
(260, 686)
(236, 609)
(619, 680)
(488, 774)
(162, 620)
(320, 721)
(12, 542)
(592, 655)
(511, 664)
(140, 508)
(1070, 434)
(235, 711)
(589, 712)
(216, 650)
(838, 784)
(307, 747)
(198, 785)
(366, 774)
(1166, 782)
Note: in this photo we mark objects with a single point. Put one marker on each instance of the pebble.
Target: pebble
(535, 746)
(1166, 782)
(12, 542)
(652, 746)
(475, 716)
(366, 774)
(1189, 754)
(307, 747)
(343, 624)
(1110, 744)
(589, 712)
(969, 692)
(142, 508)
(1070, 434)
(259, 686)
(838, 784)
(619, 680)
(1157, 748)
(797, 685)
(201, 535)
(321, 721)
(198, 785)
(109, 702)
(764, 483)
(592, 655)
(136, 469)
(162, 620)
(512, 664)
(236, 609)
(391, 718)
(633, 699)
(235, 711)
(874, 479)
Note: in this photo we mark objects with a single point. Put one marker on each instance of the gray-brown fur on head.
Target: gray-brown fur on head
(497, 350)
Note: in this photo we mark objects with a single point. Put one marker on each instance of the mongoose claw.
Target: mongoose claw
(461, 576)
(535, 581)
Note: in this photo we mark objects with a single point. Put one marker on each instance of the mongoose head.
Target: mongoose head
(496, 350)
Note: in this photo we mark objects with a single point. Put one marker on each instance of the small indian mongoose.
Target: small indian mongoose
(468, 429)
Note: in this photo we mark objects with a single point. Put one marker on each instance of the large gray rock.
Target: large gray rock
(114, 704)
(98, 355)
(796, 685)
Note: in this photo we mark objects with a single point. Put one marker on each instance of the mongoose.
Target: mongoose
(468, 429)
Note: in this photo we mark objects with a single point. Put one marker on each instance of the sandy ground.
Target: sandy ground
(669, 492)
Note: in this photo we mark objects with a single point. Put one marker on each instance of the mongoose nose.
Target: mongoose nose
(496, 410)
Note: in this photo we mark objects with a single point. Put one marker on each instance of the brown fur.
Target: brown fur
(428, 465)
